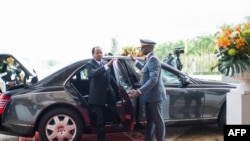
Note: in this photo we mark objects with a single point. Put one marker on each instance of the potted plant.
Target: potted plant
(233, 49)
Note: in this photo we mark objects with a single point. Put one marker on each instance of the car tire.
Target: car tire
(222, 117)
(60, 124)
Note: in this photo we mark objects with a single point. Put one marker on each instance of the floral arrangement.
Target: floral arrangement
(135, 51)
(233, 49)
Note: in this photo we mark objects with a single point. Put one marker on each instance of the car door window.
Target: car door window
(81, 75)
(168, 77)
(121, 75)
(80, 82)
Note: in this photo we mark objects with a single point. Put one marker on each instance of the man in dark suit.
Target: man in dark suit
(152, 91)
(3, 67)
(2, 74)
(12, 73)
(99, 78)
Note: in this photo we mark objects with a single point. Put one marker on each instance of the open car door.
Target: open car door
(125, 105)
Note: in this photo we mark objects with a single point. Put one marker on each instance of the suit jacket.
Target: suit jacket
(152, 85)
(3, 68)
(13, 74)
(98, 82)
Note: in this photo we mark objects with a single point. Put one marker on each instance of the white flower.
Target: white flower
(234, 34)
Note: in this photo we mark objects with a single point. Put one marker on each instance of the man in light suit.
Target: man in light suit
(152, 92)
(99, 81)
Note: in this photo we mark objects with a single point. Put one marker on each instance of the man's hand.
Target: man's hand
(133, 93)
(131, 57)
(110, 63)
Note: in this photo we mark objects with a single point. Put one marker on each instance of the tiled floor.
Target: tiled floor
(195, 133)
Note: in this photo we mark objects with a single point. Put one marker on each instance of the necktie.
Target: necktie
(101, 64)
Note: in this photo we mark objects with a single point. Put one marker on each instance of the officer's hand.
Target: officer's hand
(131, 57)
(133, 93)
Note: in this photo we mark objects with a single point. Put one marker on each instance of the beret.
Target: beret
(147, 42)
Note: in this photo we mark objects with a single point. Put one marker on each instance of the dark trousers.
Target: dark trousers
(98, 113)
(113, 110)
(155, 121)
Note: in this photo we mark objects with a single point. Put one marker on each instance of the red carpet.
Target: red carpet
(122, 136)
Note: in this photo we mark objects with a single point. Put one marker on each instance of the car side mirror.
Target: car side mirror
(33, 80)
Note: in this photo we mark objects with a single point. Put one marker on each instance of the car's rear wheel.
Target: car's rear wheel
(60, 124)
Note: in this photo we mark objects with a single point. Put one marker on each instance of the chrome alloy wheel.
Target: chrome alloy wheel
(61, 128)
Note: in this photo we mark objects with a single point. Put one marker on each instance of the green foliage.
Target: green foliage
(197, 55)
(233, 49)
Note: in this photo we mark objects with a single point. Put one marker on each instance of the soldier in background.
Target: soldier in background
(178, 52)
(171, 60)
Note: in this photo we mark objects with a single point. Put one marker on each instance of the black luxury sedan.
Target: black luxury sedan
(57, 107)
